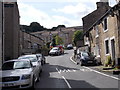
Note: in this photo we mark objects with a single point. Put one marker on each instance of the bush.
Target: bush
(45, 50)
(108, 61)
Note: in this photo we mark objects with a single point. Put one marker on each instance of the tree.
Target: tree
(35, 26)
(53, 42)
(77, 36)
(58, 40)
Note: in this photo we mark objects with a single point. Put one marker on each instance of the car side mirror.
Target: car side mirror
(34, 65)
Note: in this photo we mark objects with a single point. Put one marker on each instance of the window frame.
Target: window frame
(107, 52)
(105, 24)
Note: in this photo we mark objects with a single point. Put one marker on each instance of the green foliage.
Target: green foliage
(53, 41)
(36, 27)
(58, 40)
(45, 50)
(77, 36)
(33, 27)
(108, 61)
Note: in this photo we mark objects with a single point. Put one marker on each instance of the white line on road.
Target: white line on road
(72, 60)
(66, 82)
(102, 73)
(97, 71)
(64, 78)
(58, 70)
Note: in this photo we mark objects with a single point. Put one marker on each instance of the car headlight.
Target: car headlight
(26, 76)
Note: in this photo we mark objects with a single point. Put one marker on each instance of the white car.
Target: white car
(36, 61)
(18, 74)
(55, 51)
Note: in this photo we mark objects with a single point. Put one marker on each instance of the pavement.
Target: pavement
(101, 68)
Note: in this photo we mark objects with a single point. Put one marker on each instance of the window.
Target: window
(107, 46)
(105, 24)
(8, 5)
(97, 50)
(97, 31)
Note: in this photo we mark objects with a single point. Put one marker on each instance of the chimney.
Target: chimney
(102, 3)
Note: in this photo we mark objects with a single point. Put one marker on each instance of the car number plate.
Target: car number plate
(8, 84)
(89, 61)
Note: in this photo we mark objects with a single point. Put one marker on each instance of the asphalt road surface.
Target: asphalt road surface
(61, 72)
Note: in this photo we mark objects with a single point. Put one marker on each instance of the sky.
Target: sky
(51, 13)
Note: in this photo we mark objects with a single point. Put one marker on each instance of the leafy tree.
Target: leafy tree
(53, 41)
(77, 36)
(58, 40)
(61, 26)
(35, 26)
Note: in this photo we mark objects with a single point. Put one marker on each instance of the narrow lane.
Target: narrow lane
(60, 72)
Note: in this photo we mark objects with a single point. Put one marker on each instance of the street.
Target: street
(61, 72)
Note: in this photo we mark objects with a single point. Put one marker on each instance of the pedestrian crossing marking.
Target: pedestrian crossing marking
(73, 70)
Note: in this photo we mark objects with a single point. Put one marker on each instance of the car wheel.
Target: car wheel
(44, 61)
(38, 79)
(33, 83)
(81, 63)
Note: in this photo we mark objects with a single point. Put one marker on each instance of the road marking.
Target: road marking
(58, 70)
(64, 78)
(66, 82)
(72, 60)
(96, 71)
(66, 70)
(102, 73)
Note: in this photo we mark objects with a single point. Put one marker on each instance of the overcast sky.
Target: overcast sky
(51, 13)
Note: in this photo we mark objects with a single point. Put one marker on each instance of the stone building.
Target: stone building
(66, 33)
(11, 30)
(103, 35)
(29, 43)
(1, 30)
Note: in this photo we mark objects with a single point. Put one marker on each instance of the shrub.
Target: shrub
(45, 50)
(108, 61)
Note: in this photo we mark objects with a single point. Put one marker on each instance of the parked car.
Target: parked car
(17, 74)
(36, 61)
(69, 46)
(42, 57)
(55, 51)
(86, 58)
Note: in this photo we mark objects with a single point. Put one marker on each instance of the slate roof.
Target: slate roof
(91, 18)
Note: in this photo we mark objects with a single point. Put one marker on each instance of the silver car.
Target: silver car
(36, 61)
(18, 74)
(54, 51)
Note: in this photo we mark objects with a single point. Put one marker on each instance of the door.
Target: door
(113, 49)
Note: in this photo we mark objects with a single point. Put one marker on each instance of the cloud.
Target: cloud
(76, 10)
(30, 14)
(56, 1)
(69, 15)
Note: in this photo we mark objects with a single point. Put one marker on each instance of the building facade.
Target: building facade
(66, 33)
(29, 43)
(103, 36)
(11, 30)
(1, 30)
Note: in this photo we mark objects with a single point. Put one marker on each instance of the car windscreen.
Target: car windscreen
(33, 59)
(55, 49)
(16, 65)
(85, 54)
